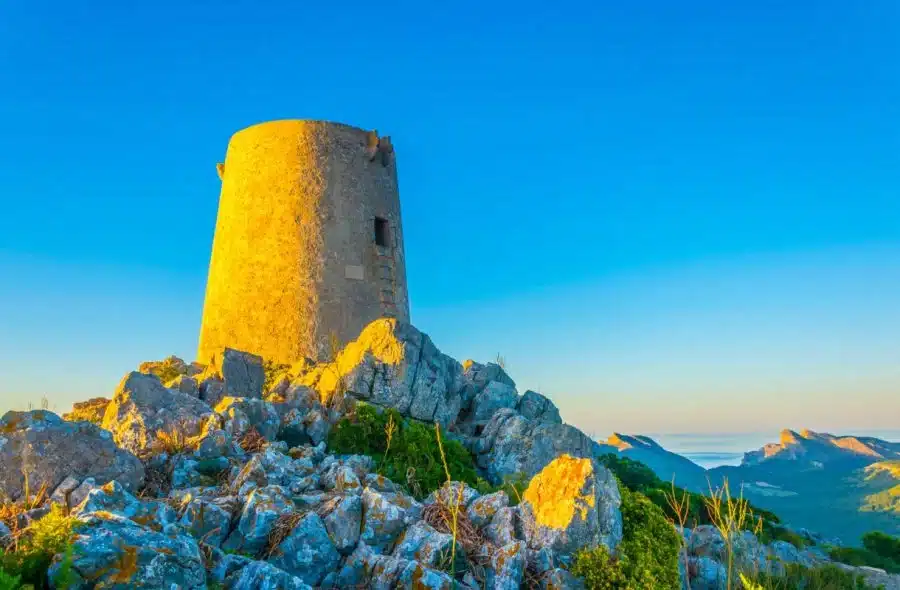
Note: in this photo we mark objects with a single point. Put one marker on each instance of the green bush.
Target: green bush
(860, 556)
(8, 582)
(45, 538)
(413, 458)
(827, 577)
(883, 545)
(647, 557)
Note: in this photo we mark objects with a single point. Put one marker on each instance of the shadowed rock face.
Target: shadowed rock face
(50, 449)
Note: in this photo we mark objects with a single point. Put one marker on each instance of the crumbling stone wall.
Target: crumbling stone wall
(294, 256)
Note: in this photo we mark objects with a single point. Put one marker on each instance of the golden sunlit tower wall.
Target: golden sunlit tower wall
(308, 241)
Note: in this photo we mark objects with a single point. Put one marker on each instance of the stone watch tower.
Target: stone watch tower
(308, 241)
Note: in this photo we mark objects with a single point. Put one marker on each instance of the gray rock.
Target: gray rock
(453, 494)
(91, 411)
(560, 579)
(241, 372)
(365, 568)
(215, 443)
(50, 450)
(238, 415)
(342, 479)
(209, 520)
(507, 567)
(542, 560)
(293, 428)
(707, 574)
(112, 498)
(572, 503)
(380, 483)
(261, 575)
(307, 552)
(142, 407)
(385, 516)
(317, 426)
(185, 384)
(539, 408)
(482, 510)
(269, 467)
(477, 376)
(422, 543)
(78, 495)
(212, 390)
(114, 552)
(493, 397)
(512, 445)
(392, 364)
(263, 508)
(343, 521)
(61, 494)
(222, 565)
(502, 529)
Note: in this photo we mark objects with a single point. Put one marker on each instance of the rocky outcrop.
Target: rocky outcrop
(572, 503)
(142, 408)
(90, 411)
(241, 373)
(49, 450)
(394, 365)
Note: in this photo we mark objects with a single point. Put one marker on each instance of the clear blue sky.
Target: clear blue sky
(669, 216)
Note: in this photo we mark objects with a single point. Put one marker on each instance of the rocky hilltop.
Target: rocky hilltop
(245, 475)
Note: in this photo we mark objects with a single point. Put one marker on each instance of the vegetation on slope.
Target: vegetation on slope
(28, 557)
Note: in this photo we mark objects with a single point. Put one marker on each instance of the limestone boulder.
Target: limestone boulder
(238, 415)
(534, 406)
(112, 498)
(209, 519)
(507, 567)
(476, 376)
(482, 510)
(308, 551)
(511, 445)
(91, 411)
(493, 397)
(242, 373)
(115, 552)
(261, 575)
(392, 364)
(49, 450)
(142, 408)
(366, 568)
(421, 542)
(263, 509)
(385, 516)
(570, 504)
(343, 520)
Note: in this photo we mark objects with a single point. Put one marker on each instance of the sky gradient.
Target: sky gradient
(668, 217)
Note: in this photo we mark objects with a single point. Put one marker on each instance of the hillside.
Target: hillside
(391, 466)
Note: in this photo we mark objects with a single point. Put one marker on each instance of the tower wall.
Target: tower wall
(294, 256)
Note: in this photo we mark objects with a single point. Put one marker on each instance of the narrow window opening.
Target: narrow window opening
(381, 232)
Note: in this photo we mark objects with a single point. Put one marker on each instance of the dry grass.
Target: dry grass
(252, 441)
(174, 441)
(283, 527)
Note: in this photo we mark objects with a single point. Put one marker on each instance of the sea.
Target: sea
(715, 450)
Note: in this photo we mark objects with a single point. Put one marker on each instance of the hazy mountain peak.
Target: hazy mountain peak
(822, 447)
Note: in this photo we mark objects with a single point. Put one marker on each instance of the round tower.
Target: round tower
(308, 244)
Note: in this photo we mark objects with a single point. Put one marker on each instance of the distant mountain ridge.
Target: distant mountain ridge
(842, 486)
(821, 447)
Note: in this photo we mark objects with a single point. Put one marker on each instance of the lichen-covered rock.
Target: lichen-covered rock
(572, 503)
(481, 510)
(365, 568)
(503, 528)
(493, 397)
(214, 443)
(241, 372)
(343, 519)
(784, 553)
(61, 494)
(91, 411)
(141, 408)
(342, 479)
(507, 567)
(263, 508)
(394, 365)
(707, 574)
(237, 415)
(209, 519)
(560, 579)
(422, 543)
(112, 498)
(212, 389)
(169, 368)
(477, 376)
(380, 483)
(307, 552)
(269, 467)
(453, 494)
(385, 516)
(185, 384)
(48, 449)
(293, 427)
(539, 408)
(261, 575)
(114, 552)
(512, 445)
(316, 426)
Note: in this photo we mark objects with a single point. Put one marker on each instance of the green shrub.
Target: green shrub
(29, 561)
(860, 556)
(9, 582)
(827, 577)
(647, 557)
(412, 459)
(883, 545)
